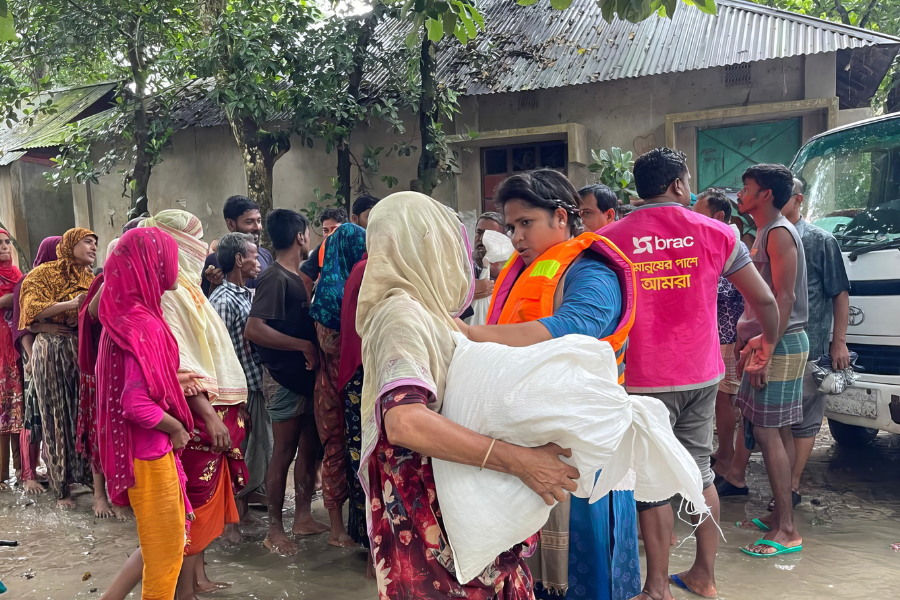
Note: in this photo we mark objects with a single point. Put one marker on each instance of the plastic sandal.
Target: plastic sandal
(779, 549)
(796, 498)
(726, 488)
(676, 580)
(759, 525)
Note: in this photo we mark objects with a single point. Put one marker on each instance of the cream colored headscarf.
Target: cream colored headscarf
(204, 345)
(418, 278)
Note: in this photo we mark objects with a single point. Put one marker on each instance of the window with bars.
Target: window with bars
(737, 75)
(499, 162)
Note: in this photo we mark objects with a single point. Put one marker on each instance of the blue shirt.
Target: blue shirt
(591, 303)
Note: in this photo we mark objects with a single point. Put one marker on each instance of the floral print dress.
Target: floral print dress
(356, 519)
(409, 546)
(12, 406)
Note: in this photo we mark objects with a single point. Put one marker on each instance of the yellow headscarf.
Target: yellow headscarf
(57, 281)
(204, 346)
(418, 278)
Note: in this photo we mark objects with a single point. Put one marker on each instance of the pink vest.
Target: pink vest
(678, 256)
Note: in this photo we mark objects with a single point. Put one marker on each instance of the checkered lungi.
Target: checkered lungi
(780, 403)
(731, 382)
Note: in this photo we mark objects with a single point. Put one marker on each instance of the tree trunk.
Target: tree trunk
(142, 166)
(428, 163)
(345, 175)
(259, 161)
(344, 167)
(142, 163)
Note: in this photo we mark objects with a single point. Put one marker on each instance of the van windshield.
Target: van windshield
(855, 172)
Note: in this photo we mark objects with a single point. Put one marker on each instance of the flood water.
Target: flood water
(849, 517)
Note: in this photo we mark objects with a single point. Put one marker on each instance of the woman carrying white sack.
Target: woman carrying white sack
(418, 277)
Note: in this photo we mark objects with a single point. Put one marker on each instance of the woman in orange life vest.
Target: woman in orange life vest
(560, 282)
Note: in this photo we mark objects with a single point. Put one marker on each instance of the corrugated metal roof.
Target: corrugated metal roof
(193, 108)
(534, 47)
(50, 129)
(537, 47)
(9, 158)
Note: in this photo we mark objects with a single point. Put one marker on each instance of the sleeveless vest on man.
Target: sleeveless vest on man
(522, 295)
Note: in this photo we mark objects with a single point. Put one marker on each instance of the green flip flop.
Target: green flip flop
(779, 549)
(759, 525)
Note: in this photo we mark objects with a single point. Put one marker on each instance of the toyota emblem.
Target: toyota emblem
(857, 316)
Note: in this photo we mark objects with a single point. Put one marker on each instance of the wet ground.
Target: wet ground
(849, 517)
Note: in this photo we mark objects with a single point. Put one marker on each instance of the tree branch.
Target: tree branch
(845, 15)
(89, 14)
(867, 14)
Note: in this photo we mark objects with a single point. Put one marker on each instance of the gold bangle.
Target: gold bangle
(484, 462)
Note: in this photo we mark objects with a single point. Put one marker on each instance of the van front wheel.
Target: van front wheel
(851, 436)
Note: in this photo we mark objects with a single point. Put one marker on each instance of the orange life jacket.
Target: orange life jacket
(522, 295)
(322, 253)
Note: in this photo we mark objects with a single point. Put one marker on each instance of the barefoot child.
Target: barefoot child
(284, 335)
(772, 401)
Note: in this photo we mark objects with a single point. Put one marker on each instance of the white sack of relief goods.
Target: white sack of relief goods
(561, 391)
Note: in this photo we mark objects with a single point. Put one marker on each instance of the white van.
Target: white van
(857, 168)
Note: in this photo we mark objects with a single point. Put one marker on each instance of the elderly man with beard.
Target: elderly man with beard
(242, 216)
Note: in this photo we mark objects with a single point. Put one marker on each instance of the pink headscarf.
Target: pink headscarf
(9, 273)
(143, 266)
(89, 330)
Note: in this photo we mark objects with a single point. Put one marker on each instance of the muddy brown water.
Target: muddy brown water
(849, 517)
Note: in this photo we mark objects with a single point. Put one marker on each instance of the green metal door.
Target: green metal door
(723, 153)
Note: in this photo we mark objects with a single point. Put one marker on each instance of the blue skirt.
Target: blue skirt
(603, 550)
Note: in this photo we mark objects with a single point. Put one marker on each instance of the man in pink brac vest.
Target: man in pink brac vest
(674, 352)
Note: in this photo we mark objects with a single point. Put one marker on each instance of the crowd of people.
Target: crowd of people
(185, 383)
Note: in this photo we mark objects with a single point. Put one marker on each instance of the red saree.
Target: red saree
(12, 409)
(89, 331)
(213, 479)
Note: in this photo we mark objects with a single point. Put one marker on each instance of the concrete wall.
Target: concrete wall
(9, 216)
(627, 113)
(203, 167)
(30, 207)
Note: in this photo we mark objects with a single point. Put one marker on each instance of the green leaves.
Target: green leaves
(614, 170)
(635, 11)
(7, 29)
(7, 26)
(435, 29)
(390, 181)
(560, 4)
(440, 18)
(707, 6)
(412, 39)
